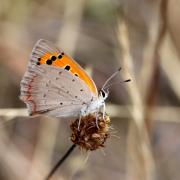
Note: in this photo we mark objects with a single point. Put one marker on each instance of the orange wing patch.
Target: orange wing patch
(64, 61)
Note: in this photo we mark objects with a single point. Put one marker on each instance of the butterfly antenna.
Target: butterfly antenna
(109, 79)
(115, 83)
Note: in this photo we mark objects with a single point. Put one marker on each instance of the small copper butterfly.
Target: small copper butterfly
(56, 85)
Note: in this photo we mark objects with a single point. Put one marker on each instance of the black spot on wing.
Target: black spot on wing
(49, 62)
(67, 68)
(53, 58)
(59, 56)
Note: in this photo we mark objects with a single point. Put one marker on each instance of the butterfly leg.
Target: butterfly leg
(104, 110)
(79, 123)
(97, 120)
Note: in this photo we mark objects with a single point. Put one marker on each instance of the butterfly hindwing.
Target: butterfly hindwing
(54, 90)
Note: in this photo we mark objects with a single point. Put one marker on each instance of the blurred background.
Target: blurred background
(140, 36)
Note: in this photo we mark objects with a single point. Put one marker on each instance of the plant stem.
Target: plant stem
(59, 163)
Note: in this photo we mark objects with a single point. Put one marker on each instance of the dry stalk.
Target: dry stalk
(142, 90)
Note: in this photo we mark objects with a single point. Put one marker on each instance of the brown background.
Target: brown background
(140, 36)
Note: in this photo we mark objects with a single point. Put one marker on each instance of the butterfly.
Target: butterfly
(56, 85)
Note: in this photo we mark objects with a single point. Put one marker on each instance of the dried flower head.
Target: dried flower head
(89, 136)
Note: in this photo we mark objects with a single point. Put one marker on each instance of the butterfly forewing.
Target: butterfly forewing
(46, 53)
(54, 87)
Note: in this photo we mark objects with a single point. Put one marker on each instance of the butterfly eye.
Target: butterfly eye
(102, 93)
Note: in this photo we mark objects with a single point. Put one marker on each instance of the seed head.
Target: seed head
(89, 136)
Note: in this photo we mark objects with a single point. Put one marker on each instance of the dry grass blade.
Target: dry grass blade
(140, 163)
